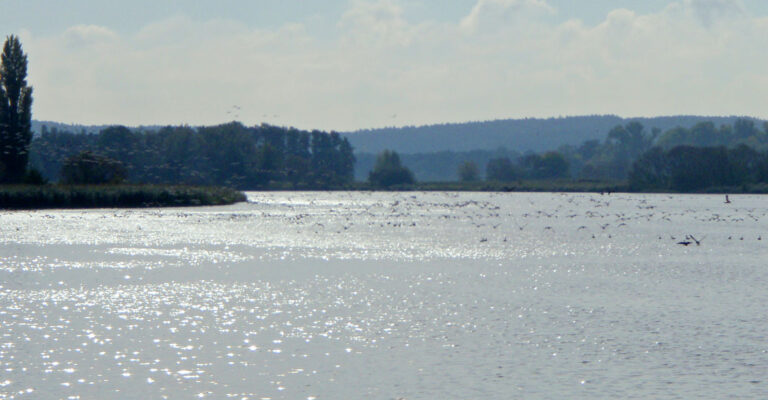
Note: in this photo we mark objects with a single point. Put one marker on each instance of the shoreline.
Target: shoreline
(560, 186)
(53, 196)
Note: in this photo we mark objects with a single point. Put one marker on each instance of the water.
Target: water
(389, 296)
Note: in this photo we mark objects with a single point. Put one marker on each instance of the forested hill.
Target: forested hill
(513, 134)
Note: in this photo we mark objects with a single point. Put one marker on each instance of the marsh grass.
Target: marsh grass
(564, 185)
(114, 196)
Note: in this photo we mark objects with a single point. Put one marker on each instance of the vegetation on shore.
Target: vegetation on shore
(556, 186)
(113, 196)
(234, 155)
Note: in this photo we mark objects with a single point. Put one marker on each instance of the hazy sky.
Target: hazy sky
(348, 64)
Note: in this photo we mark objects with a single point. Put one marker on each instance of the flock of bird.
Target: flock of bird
(506, 217)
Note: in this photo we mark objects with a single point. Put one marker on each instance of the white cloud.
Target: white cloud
(85, 35)
(379, 22)
(686, 58)
(496, 12)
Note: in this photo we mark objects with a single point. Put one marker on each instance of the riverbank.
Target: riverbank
(555, 186)
(476, 186)
(525, 186)
(114, 196)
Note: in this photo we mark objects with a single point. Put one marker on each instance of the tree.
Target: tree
(697, 168)
(744, 128)
(88, 168)
(650, 171)
(553, 165)
(468, 171)
(346, 169)
(389, 172)
(501, 169)
(623, 146)
(745, 163)
(15, 111)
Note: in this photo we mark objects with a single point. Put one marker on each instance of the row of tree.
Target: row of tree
(681, 159)
(550, 165)
(688, 168)
(230, 154)
(606, 159)
(612, 159)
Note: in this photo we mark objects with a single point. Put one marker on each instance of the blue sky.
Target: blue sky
(349, 64)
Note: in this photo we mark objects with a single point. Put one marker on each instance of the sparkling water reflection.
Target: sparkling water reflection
(388, 295)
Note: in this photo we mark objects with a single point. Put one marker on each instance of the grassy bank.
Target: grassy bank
(484, 186)
(113, 196)
(526, 186)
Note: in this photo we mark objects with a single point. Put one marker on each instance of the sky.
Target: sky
(356, 64)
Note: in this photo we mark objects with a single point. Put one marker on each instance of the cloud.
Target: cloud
(710, 11)
(86, 35)
(376, 62)
(495, 12)
(379, 22)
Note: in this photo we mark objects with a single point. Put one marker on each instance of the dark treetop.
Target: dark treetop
(15, 112)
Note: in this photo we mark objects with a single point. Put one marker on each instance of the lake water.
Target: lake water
(316, 295)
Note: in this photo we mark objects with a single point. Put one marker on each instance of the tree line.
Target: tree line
(687, 168)
(681, 159)
(230, 154)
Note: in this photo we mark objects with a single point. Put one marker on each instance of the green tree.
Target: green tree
(501, 170)
(744, 128)
(468, 171)
(623, 146)
(745, 163)
(88, 168)
(650, 171)
(15, 111)
(388, 171)
(346, 168)
(697, 168)
(553, 165)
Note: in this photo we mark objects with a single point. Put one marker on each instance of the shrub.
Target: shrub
(389, 172)
(34, 177)
(468, 172)
(88, 168)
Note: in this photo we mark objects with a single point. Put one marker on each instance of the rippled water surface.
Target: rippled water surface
(388, 296)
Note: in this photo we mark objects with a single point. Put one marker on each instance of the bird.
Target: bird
(698, 242)
(727, 200)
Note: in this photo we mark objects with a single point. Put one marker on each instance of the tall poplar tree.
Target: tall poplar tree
(15, 112)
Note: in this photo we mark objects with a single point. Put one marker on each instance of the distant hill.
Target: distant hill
(520, 135)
